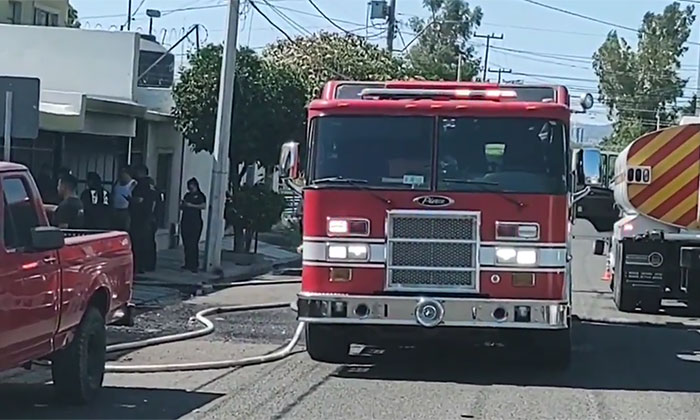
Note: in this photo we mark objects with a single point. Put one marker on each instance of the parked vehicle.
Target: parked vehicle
(654, 252)
(436, 210)
(57, 293)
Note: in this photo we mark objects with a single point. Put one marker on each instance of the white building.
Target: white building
(96, 115)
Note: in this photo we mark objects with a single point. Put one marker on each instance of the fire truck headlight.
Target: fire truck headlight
(348, 252)
(506, 255)
(516, 256)
(526, 257)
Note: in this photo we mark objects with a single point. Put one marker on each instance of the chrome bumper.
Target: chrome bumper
(430, 312)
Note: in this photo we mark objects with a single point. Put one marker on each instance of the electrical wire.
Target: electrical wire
(318, 9)
(293, 41)
(590, 18)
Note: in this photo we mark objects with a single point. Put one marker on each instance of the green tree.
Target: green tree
(442, 38)
(268, 105)
(72, 20)
(636, 84)
(326, 56)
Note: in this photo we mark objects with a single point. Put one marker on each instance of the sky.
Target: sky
(539, 45)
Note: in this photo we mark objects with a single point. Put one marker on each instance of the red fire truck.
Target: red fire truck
(436, 210)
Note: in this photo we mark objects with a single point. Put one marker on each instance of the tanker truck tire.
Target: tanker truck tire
(326, 343)
(650, 304)
(78, 370)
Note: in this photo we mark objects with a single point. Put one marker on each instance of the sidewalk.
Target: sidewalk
(169, 282)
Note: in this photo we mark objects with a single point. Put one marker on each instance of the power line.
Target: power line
(292, 40)
(331, 21)
(590, 18)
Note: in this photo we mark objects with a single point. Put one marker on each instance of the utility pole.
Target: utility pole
(500, 71)
(222, 139)
(488, 45)
(128, 18)
(392, 26)
(459, 67)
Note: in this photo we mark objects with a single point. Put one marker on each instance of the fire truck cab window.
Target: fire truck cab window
(520, 155)
(384, 151)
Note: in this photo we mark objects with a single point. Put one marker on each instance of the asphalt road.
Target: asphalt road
(625, 366)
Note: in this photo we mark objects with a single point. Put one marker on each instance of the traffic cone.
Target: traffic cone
(607, 274)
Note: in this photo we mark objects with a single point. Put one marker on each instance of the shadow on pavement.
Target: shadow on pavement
(605, 356)
(38, 402)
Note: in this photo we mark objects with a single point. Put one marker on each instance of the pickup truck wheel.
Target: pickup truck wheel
(78, 370)
(324, 345)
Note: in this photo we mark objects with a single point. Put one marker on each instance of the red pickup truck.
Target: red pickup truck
(57, 290)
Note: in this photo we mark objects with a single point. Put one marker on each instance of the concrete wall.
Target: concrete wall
(59, 7)
(97, 63)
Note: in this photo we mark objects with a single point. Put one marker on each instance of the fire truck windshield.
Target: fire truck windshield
(384, 151)
(523, 155)
(519, 155)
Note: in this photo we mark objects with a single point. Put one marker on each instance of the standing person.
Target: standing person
(191, 223)
(142, 210)
(46, 185)
(121, 196)
(96, 203)
(69, 213)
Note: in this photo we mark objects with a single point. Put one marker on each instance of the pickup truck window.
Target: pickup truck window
(20, 215)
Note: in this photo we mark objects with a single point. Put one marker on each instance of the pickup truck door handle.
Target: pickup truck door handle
(50, 260)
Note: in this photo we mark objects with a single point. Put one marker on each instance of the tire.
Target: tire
(651, 304)
(78, 370)
(625, 300)
(324, 345)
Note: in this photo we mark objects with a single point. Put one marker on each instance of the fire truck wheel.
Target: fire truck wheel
(78, 370)
(325, 344)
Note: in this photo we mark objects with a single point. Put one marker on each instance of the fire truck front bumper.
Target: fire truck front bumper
(432, 312)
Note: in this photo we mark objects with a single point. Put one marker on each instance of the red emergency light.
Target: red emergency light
(390, 93)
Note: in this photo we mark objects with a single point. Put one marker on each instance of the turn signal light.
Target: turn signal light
(347, 227)
(517, 231)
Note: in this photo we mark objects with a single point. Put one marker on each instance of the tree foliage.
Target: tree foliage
(326, 56)
(268, 105)
(443, 37)
(636, 84)
(72, 18)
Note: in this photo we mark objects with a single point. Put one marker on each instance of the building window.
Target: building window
(16, 11)
(44, 18)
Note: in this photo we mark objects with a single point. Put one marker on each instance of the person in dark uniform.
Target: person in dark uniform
(191, 223)
(47, 185)
(69, 213)
(96, 203)
(142, 211)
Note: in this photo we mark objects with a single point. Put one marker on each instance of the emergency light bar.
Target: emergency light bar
(493, 94)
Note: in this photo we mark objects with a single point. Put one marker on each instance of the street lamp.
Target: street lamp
(152, 13)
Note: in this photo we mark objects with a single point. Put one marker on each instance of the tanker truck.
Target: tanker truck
(654, 250)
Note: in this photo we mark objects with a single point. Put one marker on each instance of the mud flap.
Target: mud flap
(641, 278)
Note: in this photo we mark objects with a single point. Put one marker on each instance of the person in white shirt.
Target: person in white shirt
(121, 196)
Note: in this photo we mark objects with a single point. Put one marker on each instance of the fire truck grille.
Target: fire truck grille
(430, 254)
(434, 279)
(432, 251)
(416, 227)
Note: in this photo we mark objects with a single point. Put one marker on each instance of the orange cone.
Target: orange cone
(607, 274)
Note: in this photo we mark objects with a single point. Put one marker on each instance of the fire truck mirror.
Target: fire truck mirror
(289, 160)
(591, 164)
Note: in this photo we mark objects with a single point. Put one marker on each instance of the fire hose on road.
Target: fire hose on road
(208, 328)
